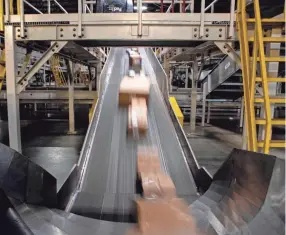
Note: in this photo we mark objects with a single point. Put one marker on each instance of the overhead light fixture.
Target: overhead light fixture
(144, 8)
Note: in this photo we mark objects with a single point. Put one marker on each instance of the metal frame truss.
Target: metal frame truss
(55, 47)
(123, 27)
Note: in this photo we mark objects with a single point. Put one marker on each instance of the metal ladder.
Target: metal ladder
(254, 70)
(58, 74)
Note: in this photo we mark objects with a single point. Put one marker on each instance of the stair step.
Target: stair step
(273, 59)
(36, 224)
(273, 121)
(276, 100)
(269, 20)
(273, 144)
(259, 79)
(270, 39)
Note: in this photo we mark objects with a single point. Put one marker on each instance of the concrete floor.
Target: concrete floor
(212, 145)
(47, 143)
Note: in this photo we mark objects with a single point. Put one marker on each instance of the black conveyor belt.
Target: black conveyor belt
(110, 173)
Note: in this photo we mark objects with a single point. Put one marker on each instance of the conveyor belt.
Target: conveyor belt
(110, 173)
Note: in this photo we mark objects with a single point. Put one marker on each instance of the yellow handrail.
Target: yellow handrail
(1, 15)
(245, 62)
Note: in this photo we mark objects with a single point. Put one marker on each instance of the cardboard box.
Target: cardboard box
(168, 217)
(167, 187)
(148, 159)
(137, 116)
(150, 185)
(137, 86)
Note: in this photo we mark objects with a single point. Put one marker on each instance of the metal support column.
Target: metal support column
(187, 78)
(98, 72)
(167, 70)
(209, 112)
(244, 137)
(204, 103)
(12, 97)
(241, 121)
(194, 97)
(69, 65)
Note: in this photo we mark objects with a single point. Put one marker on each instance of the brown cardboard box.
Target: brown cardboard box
(138, 86)
(157, 185)
(164, 217)
(150, 185)
(137, 116)
(135, 63)
(167, 187)
(148, 160)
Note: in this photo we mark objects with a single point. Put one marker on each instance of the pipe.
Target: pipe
(139, 10)
(184, 6)
(79, 29)
(34, 8)
(60, 6)
(211, 4)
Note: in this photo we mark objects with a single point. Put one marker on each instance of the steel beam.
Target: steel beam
(124, 26)
(70, 67)
(204, 104)
(209, 112)
(194, 97)
(54, 48)
(52, 96)
(12, 96)
(227, 49)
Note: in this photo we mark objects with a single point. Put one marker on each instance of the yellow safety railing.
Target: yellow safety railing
(1, 15)
(177, 110)
(251, 79)
(2, 68)
(91, 110)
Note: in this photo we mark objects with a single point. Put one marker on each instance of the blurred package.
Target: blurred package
(168, 217)
(137, 116)
(137, 86)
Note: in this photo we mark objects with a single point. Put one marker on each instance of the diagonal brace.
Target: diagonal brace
(54, 48)
(227, 49)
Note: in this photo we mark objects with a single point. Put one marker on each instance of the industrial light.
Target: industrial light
(144, 8)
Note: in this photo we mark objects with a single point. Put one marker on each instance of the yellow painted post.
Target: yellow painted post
(18, 7)
(11, 7)
(1, 15)
(91, 110)
(177, 110)
(245, 65)
(263, 71)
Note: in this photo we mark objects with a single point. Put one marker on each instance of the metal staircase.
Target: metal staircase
(257, 77)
